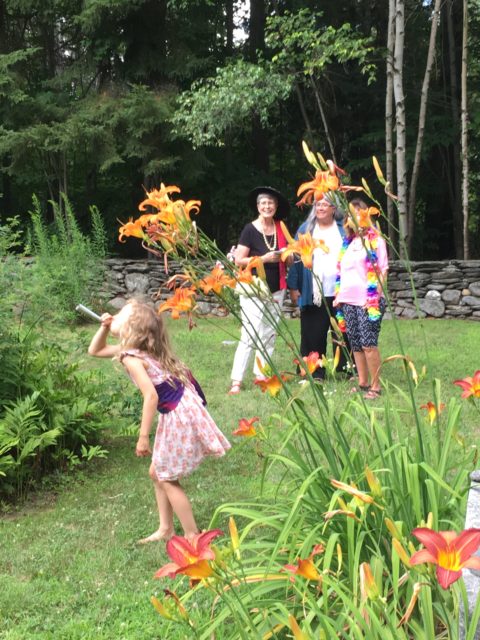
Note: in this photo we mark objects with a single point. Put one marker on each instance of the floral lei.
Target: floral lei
(373, 283)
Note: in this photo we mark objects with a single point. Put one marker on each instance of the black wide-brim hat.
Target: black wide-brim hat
(283, 204)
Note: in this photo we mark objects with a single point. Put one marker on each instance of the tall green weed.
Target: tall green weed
(69, 264)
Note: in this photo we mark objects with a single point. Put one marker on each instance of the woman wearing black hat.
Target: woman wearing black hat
(263, 237)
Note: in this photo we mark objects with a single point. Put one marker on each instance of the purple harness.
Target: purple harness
(171, 392)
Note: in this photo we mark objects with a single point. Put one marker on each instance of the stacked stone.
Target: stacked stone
(147, 279)
(441, 289)
(425, 289)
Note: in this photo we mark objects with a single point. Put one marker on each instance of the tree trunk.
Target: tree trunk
(400, 150)
(3, 27)
(303, 111)
(318, 98)
(466, 252)
(422, 116)
(457, 167)
(229, 28)
(257, 43)
(392, 233)
(256, 32)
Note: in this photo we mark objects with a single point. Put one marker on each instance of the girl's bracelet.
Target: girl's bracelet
(143, 435)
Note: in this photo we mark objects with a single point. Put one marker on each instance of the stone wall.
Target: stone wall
(448, 289)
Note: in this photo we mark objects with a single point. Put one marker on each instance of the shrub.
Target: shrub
(53, 414)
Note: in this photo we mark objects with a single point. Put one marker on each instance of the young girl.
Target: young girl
(186, 433)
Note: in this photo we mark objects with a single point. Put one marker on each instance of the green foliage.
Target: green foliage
(226, 103)
(52, 412)
(302, 45)
(68, 266)
(83, 537)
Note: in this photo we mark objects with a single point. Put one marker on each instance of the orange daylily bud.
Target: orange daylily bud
(378, 171)
(234, 536)
(400, 551)
(298, 634)
(373, 482)
(393, 529)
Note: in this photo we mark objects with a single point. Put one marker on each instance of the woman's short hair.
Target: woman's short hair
(266, 195)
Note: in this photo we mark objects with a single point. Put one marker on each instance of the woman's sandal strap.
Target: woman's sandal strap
(373, 394)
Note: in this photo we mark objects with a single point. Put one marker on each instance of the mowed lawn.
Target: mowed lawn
(69, 564)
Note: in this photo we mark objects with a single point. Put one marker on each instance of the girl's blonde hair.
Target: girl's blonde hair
(145, 330)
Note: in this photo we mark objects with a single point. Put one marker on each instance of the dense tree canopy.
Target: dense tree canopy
(101, 98)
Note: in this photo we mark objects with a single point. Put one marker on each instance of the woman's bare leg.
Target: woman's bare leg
(362, 368)
(373, 360)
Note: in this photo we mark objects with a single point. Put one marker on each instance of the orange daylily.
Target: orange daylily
(305, 567)
(272, 384)
(449, 551)
(352, 490)
(171, 212)
(323, 182)
(432, 410)
(244, 275)
(131, 229)
(216, 280)
(470, 385)
(158, 198)
(190, 557)
(363, 217)
(246, 428)
(182, 301)
(305, 245)
(313, 361)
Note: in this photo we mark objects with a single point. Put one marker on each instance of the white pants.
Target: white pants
(259, 330)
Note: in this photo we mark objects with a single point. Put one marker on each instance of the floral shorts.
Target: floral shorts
(361, 331)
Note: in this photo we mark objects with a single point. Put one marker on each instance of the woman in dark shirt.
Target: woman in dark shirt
(263, 237)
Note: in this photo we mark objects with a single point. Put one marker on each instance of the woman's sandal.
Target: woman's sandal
(359, 388)
(372, 394)
(235, 389)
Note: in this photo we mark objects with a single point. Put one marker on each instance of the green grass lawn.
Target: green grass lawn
(69, 565)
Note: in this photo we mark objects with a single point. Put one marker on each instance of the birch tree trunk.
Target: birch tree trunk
(455, 107)
(392, 234)
(421, 121)
(464, 116)
(400, 149)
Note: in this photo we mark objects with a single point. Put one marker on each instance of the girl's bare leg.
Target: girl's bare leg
(181, 507)
(165, 512)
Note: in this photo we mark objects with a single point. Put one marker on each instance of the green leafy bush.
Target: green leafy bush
(53, 413)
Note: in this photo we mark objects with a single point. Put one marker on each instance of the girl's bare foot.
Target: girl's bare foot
(157, 536)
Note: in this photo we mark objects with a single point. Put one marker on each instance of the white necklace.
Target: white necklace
(274, 245)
